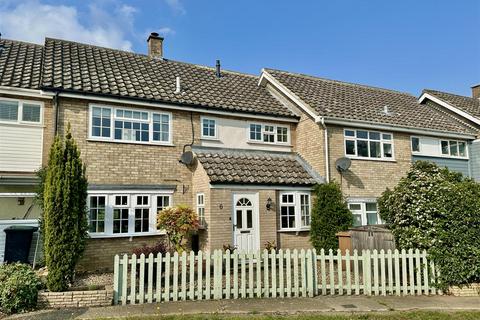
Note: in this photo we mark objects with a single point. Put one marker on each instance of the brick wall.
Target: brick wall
(294, 240)
(99, 253)
(201, 184)
(130, 163)
(470, 290)
(71, 299)
(310, 143)
(369, 178)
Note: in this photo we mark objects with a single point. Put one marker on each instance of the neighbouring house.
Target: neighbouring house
(380, 131)
(466, 109)
(243, 150)
(25, 135)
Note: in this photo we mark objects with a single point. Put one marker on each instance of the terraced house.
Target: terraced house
(243, 150)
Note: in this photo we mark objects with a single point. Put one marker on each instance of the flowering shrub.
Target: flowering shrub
(439, 211)
(178, 222)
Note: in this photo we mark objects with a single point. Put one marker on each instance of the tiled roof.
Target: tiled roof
(466, 104)
(74, 66)
(255, 167)
(20, 64)
(342, 100)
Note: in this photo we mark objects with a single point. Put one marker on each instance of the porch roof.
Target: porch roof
(227, 166)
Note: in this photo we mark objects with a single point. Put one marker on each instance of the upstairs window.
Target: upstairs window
(368, 144)
(454, 148)
(209, 128)
(267, 133)
(17, 111)
(415, 144)
(129, 125)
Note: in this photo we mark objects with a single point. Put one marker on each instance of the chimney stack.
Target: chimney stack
(155, 45)
(218, 71)
(476, 91)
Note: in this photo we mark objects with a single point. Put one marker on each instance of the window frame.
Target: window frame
(96, 220)
(113, 117)
(20, 120)
(263, 132)
(368, 139)
(297, 210)
(363, 211)
(200, 206)
(419, 145)
(215, 128)
(449, 155)
(132, 205)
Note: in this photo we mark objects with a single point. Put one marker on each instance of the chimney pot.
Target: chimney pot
(476, 91)
(155, 45)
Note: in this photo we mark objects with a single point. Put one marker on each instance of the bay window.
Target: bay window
(127, 214)
(295, 211)
(19, 111)
(129, 125)
(267, 133)
(368, 144)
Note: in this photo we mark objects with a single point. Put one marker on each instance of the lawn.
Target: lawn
(411, 315)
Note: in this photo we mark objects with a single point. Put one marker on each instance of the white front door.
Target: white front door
(246, 222)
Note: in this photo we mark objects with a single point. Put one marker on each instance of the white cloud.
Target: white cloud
(166, 31)
(176, 6)
(32, 21)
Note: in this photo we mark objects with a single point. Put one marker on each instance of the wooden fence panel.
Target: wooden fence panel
(233, 275)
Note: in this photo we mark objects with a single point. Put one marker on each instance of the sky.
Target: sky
(406, 45)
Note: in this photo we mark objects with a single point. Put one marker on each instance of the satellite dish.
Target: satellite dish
(187, 158)
(343, 164)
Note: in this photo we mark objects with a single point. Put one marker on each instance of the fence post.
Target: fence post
(310, 277)
(117, 280)
(125, 277)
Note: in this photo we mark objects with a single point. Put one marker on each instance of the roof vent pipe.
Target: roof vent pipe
(178, 87)
(217, 69)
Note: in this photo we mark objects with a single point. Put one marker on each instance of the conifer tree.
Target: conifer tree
(64, 220)
(330, 214)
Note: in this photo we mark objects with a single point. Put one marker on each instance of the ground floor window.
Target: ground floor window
(125, 214)
(364, 213)
(295, 210)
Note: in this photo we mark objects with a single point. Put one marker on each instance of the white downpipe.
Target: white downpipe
(327, 162)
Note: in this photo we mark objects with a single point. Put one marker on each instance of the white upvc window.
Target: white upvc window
(130, 125)
(269, 133)
(365, 144)
(295, 210)
(364, 213)
(453, 148)
(201, 208)
(20, 111)
(114, 214)
(209, 128)
(415, 144)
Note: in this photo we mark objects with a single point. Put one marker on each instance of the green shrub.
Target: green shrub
(439, 211)
(330, 214)
(63, 194)
(19, 288)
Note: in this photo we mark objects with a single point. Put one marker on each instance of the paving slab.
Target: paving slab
(319, 304)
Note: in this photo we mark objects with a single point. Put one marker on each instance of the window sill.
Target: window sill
(124, 235)
(270, 143)
(133, 142)
(371, 159)
(304, 229)
(210, 139)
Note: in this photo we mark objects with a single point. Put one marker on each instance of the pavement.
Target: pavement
(320, 304)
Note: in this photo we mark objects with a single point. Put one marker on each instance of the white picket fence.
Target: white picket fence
(304, 273)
